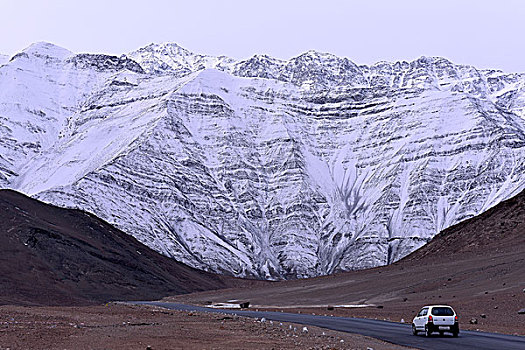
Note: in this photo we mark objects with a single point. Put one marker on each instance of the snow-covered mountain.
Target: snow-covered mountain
(263, 167)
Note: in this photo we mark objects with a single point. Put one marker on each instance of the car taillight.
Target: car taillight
(429, 318)
(456, 318)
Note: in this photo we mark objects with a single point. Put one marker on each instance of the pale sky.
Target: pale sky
(486, 34)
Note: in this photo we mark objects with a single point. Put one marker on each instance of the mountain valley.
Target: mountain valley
(262, 168)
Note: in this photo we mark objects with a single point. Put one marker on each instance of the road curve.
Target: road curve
(392, 332)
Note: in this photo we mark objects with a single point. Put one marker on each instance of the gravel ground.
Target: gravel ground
(117, 326)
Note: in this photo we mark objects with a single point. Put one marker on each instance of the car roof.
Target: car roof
(429, 306)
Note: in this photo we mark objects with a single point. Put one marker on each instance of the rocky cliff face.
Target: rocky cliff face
(263, 167)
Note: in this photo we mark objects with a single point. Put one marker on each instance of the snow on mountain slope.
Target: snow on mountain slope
(263, 167)
(36, 95)
(3, 59)
(41, 91)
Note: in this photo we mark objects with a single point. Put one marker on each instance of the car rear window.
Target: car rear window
(442, 311)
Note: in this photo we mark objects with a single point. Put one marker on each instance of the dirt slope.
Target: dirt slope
(500, 229)
(55, 256)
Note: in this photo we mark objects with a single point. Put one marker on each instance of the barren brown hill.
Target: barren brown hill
(477, 266)
(55, 256)
(500, 229)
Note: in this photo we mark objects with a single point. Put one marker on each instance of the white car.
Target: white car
(436, 318)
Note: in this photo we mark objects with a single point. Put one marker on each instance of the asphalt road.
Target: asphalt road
(396, 333)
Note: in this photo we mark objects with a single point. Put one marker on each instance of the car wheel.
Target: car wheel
(414, 330)
(427, 332)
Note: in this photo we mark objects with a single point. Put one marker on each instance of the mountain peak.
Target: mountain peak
(432, 60)
(316, 54)
(43, 48)
(166, 48)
